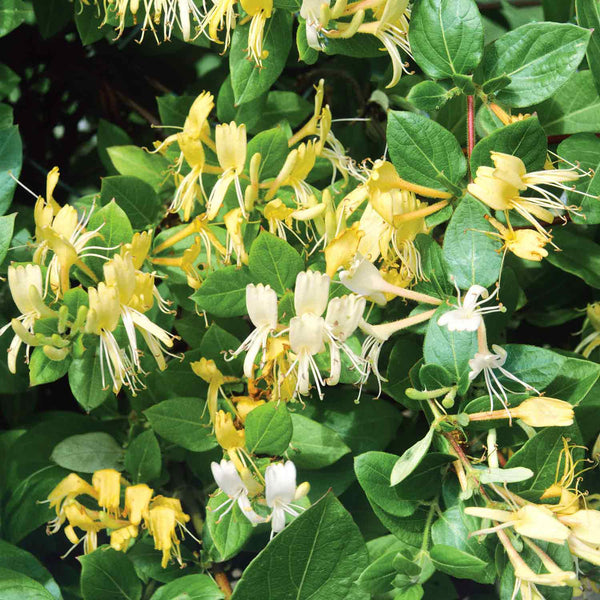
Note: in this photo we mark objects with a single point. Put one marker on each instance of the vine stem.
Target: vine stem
(223, 583)
(470, 127)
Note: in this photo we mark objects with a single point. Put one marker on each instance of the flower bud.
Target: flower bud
(544, 412)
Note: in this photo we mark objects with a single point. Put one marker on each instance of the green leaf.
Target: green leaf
(411, 458)
(446, 37)
(43, 370)
(425, 481)
(86, 381)
(133, 161)
(373, 471)
(538, 58)
(285, 106)
(428, 95)
(9, 80)
(12, 14)
(88, 452)
(189, 587)
(584, 149)
(109, 135)
(578, 255)
(248, 113)
(424, 152)
(52, 16)
(223, 292)
(588, 16)
(574, 380)
(558, 11)
(7, 225)
(460, 564)
(108, 575)
(574, 108)
(180, 421)
(274, 262)
(377, 578)
(525, 139)
(268, 429)
(272, 145)
(318, 556)
(136, 197)
(471, 255)
(437, 279)
(11, 159)
(313, 445)
(229, 532)
(248, 80)
(536, 366)
(21, 561)
(116, 228)
(216, 340)
(143, 459)
(450, 349)
(88, 23)
(173, 110)
(17, 586)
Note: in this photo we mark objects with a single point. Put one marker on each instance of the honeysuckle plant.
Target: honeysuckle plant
(320, 320)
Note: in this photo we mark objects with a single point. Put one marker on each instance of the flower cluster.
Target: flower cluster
(163, 517)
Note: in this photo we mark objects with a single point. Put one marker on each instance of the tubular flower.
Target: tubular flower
(261, 304)
(136, 296)
(231, 153)
(84, 519)
(220, 16)
(164, 516)
(227, 435)
(532, 521)
(500, 187)
(107, 484)
(310, 11)
(592, 340)
(137, 500)
(544, 412)
(121, 538)
(281, 492)
(527, 244)
(311, 293)
(468, 315)
(307, 338)
(391, 28)
(298, 165)
(26, 288)
(231, 484)
(260, 11)
(487, 362)
(235, 240)
(68, 489)
(208, 371)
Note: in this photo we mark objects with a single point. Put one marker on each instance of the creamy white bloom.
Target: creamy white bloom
(231, 484)
(281, 491)
(363, 278)
(307, 338)
(487, 363)
(341, 320)
(311, 293)
(311, 11)
(467, 317)
(261, 304)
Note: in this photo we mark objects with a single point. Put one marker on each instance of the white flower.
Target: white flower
(311, 293)
(467, 317)
(231, 484)
(341, 320)
(307, 338)
(487, 362)
(364, 279)
(311, 12)
(261, 304)
(281, 491)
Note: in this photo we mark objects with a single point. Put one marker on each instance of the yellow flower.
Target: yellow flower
(137, 499)
(67, 489)
(107, 483)
(584, 525)
(544, 412)
(391, 28)
(120, 538)
(138, 248)
(164, 516)
(221, 15)
(228, 436)
(26, 288)
(208, 371)
(260, 11)
(231, 152)
(84, 519)
(235, 240)
(244, 405)
(341, 251)
(524, 243)
(500, 187)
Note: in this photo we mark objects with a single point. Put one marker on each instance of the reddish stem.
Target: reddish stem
(470, 126)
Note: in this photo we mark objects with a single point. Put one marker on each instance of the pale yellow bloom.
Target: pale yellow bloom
(235, 240)
(120, 538)
(260, 11)
(227, 435)
(544, 412)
